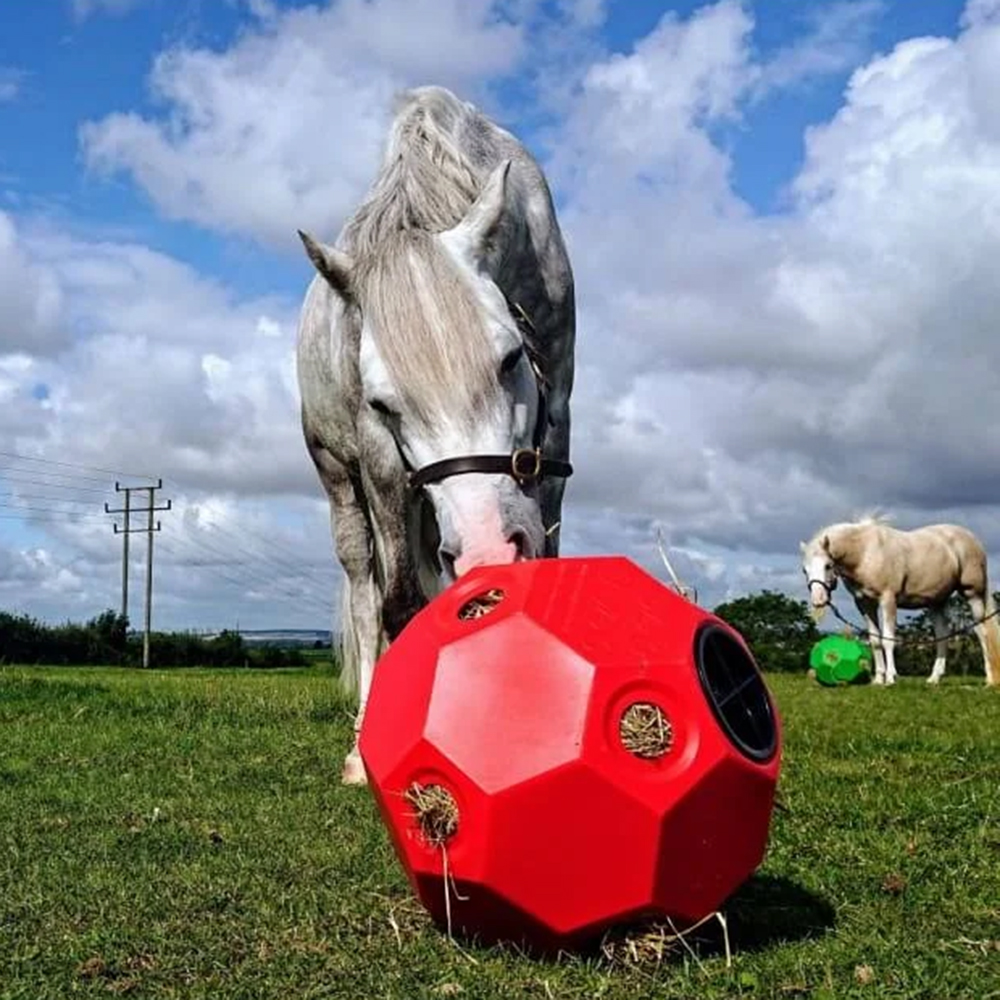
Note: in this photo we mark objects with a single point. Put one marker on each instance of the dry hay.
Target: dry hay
(645, 731)
(641, 947)
(481, 604)
(436, 812)
(653, 941)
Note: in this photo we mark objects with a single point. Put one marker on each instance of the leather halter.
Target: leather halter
(525, 465)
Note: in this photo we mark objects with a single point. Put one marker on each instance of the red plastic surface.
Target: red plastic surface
(562, 831)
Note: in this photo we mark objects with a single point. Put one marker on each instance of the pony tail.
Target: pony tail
(991, 640)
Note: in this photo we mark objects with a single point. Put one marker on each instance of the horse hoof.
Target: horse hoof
(354, 771)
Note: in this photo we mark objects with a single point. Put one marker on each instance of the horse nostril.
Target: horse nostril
(448, 563)
(520, 542)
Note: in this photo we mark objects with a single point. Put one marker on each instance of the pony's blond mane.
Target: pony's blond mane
(869, 519)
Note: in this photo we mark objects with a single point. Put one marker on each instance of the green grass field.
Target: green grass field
(183, 834)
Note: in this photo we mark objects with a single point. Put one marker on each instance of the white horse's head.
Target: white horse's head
(820, 572)
(446, 375)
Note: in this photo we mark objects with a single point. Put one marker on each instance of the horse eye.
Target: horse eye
(509, 363)
(379, 407)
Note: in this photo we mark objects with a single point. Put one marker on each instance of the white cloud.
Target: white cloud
(284, 129)
(756, 376)
(742, 379)
(31, 300)
(170, 372)
(11, 79)
(167, 374)
(838, 37)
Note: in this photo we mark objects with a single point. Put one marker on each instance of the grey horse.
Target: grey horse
(435, 367)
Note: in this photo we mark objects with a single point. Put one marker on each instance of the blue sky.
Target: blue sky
(75, 69)
(153, 278)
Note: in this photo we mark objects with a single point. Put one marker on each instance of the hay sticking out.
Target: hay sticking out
(481, 604)
(436, 811)
(645, 731)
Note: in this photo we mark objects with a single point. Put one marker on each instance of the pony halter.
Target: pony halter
(526, 465)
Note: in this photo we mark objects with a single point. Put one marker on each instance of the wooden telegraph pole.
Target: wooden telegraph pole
(128, 510)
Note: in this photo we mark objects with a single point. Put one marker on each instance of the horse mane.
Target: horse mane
(426, 182)
(873, 517)
(409, 289)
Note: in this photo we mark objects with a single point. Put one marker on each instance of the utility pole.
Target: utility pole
(127, 530)
(126, 512)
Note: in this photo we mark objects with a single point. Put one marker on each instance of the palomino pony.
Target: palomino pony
(435, 366)
(885, 569)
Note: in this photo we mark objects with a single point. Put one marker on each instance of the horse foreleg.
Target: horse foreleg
(360, 623)
(869, 611)
(362, 609)
(940, 623)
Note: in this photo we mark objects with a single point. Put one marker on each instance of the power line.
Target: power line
(43, 496)
(247, 575)
(34, 508)
(47, 514)
(282, 563)
(55, 479)
(264, 563)
(74, 465)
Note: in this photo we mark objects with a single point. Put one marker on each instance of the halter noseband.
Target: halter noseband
(526, 465)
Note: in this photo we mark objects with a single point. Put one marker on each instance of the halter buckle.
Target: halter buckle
(526, 464)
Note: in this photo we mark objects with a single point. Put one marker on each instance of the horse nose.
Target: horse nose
(494, 555)
(521, 547)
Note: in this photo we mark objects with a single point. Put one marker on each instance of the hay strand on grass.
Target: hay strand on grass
(653, 942)
(436, 812)
(481, 604)
(645, 731)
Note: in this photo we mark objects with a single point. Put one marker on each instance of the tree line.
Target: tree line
(778, 629)
(106, 641)
(781, 634)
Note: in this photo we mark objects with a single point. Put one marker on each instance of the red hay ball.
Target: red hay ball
(574, 746)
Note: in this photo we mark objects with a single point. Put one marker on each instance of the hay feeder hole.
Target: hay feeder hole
(481, 605)
(435, 811)
(645, 731)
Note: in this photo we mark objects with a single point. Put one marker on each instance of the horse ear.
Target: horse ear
(333, 264)
(826, 543)
(802, 547)
(480, 224)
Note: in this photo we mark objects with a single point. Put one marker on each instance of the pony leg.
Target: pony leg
(940, 623)
(988, 632)
(888, 609)
(868, 611)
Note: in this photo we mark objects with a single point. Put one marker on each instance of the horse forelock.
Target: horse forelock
(427, 322)
(429, 328)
